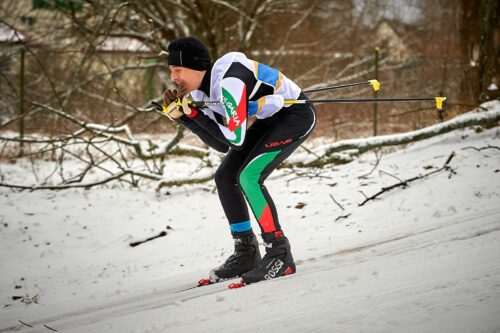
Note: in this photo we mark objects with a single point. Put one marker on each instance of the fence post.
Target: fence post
(21, 104)
(375, 93)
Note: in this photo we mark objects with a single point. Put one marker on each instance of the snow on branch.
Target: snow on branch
(344, 150)
(96, 154)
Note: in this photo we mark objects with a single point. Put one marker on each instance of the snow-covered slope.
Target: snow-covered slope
(424, 258)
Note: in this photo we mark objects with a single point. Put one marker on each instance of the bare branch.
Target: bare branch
(336, 202)
(405, 182)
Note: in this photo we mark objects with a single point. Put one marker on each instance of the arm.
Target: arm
(169, 97)
(204, 135)
(235, 100)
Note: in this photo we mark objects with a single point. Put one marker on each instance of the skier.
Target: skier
(247, 89)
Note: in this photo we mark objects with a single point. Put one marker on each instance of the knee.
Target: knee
(224, 178)
(219, 177)
(243, 181)
(247, 181)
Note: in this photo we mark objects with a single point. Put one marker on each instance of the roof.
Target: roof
(122, 44)
(10, 35)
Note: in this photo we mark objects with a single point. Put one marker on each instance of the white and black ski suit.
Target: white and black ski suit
(248, 89)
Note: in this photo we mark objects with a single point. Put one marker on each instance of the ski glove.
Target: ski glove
(176, 102)
(170, 95)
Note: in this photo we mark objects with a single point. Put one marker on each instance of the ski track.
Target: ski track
(327, 274)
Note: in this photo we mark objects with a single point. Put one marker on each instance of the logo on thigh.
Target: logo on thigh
(278, 143)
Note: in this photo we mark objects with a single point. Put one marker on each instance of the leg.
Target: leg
(230, 194)
(267, 144)
(229, 190)
(246, 248)
(285, 132)
(246, 254)
(289, 129)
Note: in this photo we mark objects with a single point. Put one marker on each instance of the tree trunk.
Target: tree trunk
(480, 50)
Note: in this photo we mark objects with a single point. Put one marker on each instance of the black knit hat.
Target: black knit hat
(188, 52)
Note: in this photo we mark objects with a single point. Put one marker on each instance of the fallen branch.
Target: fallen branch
(482, 148)
(128, 148)
(342, 217)
(161, 234)
(66, 186)
(404, 183)
(377, 161)
(180, 182)
(359, 146)
(335, 201)
(389, 174)
(316, 174)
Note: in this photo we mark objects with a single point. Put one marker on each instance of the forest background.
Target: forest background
(83, 73)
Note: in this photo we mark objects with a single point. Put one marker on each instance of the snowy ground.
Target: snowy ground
(420, 259)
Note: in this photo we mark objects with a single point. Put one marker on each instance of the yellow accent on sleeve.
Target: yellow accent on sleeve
(260, 102)
(280, 81)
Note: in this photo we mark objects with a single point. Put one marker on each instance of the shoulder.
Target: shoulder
(234, 64)
(227, 59)
(230, 64)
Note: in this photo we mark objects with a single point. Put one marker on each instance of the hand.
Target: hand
(184, 97)
(174, 109)
(169, 96)
(173, 99)
(179, 107)
(182, 92)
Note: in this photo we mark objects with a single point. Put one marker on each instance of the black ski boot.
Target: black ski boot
(277, 262)
(246, 257)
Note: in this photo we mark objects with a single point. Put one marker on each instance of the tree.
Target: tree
(85, 102)
(480, 50)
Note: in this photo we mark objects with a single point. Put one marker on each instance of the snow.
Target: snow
(419, 259)
(492, 86)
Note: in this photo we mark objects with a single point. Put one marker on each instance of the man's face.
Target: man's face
(187, 77)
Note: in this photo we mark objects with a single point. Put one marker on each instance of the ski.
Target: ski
(205, 282)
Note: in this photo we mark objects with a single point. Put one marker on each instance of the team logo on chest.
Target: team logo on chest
(235, 103)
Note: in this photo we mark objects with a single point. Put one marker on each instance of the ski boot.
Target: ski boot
(278, 260)
(246, 257)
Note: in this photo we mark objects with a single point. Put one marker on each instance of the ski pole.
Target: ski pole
(439, 100)
(160, 109)
(374, 83)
